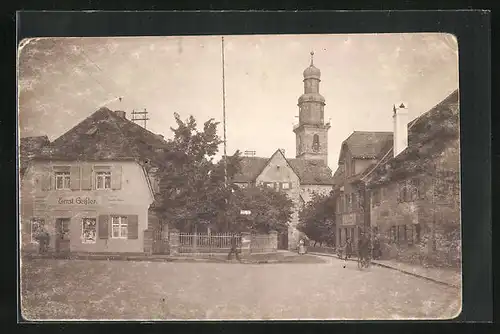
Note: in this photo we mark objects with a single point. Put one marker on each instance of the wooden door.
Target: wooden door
(62, 235)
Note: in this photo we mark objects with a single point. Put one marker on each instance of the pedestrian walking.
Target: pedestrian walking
(234, 248)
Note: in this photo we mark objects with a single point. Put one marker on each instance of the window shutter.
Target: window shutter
(289, 185)
(47, 178)
(103, 227)
(116, 177)
(86, 181)
(133, 226)
(75, 177)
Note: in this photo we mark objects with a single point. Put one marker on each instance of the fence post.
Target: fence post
(174, 241)
(274, 240)
(246, 241)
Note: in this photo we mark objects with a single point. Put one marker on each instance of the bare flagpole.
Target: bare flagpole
(224, 112)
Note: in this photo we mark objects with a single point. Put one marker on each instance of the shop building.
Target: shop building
(360, 151)
(92, 188)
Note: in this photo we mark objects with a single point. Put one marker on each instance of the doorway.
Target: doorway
(62, 235)
(283, 240)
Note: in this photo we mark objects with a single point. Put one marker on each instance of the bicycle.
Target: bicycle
(364, 261)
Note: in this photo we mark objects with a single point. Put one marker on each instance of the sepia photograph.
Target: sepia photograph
(239, 177)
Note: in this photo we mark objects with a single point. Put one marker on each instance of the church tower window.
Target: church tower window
(316, 143)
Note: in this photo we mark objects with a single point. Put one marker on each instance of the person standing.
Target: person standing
(234, 248)
(302, 247)
(348, 248)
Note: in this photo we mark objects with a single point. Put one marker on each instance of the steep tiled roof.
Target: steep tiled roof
(309, 171)
(368, 145)
(428, 135)
(105, 135)
(251, 167)
(312, 171)
(28, 148)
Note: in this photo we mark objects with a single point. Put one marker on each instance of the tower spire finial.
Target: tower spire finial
(312, 57)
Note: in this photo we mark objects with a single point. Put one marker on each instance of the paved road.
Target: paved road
(141, 290)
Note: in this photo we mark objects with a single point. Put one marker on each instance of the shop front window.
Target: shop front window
(120, 227)
(89, 230)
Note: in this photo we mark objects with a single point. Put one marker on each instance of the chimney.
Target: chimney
(121, 113)
(400, 128)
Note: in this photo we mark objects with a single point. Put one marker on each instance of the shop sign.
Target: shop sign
(349, 219)
(77, 200)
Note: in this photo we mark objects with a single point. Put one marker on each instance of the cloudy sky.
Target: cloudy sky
(64, 80)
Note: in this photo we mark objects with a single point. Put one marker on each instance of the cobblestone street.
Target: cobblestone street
(60, 289)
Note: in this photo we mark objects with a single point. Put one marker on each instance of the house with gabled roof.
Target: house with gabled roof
(92, 188)
(359, 151)
(414, 192)
(305, 174)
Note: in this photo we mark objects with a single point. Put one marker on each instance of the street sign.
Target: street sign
(245, 212)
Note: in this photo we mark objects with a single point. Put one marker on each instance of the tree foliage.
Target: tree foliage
(194, 194)
(269, 210)
(192, 187)
(317, 219)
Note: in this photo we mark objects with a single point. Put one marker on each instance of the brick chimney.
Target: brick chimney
(121, 113)
(400, 128)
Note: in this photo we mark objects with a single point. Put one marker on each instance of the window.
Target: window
(393, 235)
(417, 233)
(409, 234)
(285, 185)
(103, 180)
(63, 180)
(414, 189)
(89, 230)
(349, 202)
(120, 227)
(315, 145)
(376, 197)
(354, 202)
(36, 226)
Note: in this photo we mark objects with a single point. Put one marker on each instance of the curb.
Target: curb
(397, 269)
(151, 259)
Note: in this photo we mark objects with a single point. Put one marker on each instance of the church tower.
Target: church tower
(312, 132)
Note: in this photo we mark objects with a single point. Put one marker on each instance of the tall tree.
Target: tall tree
(193, 192)
(317, 219)
(269, 210)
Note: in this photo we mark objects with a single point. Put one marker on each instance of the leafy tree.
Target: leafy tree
(192, 187)
(316, 219)
(269, 210)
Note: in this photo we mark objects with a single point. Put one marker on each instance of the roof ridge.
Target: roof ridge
(410, 125)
